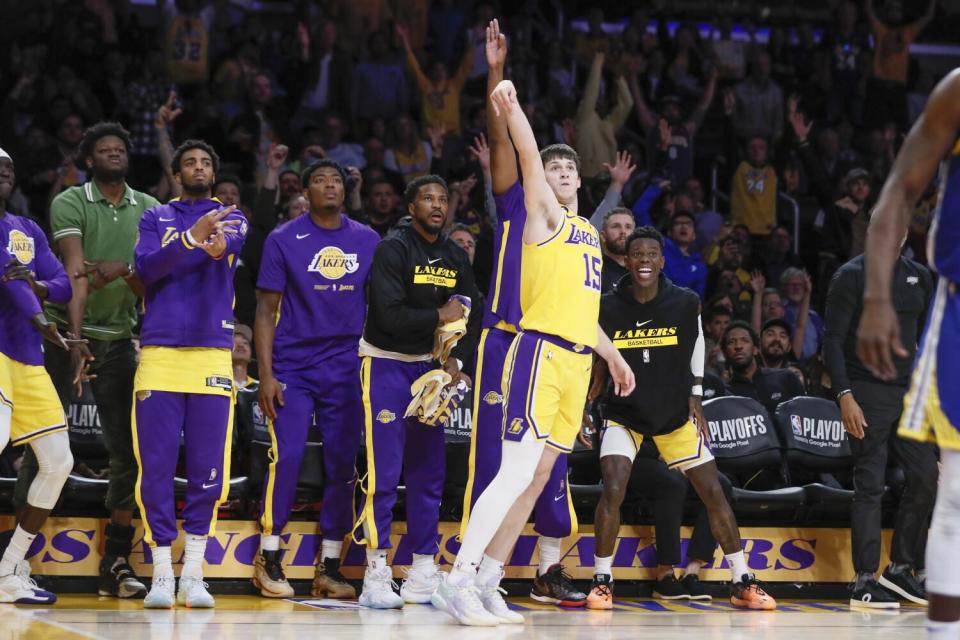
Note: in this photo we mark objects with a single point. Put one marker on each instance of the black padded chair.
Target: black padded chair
(815, 441)
(744, 441)
(88, 447)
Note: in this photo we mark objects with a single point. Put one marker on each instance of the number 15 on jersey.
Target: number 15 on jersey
(592, 266)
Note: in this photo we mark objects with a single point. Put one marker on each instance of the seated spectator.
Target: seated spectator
(769, 387)
(241, 356)
(753, 193)
(440, 92)
(796, 288)
(777, 254)
(683, 264)
(228, 189)
(715, 322)
(410, 156)
(730, 259)
(775, 344)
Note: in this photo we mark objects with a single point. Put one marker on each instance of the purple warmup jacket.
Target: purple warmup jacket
(189, 294)
(22, 240)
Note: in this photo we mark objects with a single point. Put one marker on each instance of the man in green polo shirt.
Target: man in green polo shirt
(95, 229)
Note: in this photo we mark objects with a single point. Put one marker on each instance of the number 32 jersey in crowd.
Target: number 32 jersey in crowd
(322, 274)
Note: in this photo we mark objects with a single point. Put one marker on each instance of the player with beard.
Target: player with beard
(313, 276)
(186, 255)
(741, 346)
(656, 327)
(617, 226)
(775, 339)
(418, 282)
(95, 228)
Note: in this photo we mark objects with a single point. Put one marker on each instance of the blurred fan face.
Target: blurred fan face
(228, 193)
(465, 241)
(774, 342)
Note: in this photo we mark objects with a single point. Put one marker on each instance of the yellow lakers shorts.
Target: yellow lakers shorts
(682, 449)
(544, 385)
(29, 392)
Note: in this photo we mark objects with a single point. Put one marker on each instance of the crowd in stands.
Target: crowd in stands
(756, 143)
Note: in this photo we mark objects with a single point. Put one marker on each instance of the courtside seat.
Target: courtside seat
(6, 490)
(815, 442)
(744, 442)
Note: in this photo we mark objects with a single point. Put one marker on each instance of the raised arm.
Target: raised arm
(644, 113)
(700, 111)
(538, 197)
(423, 82)
(588, 104)
(621, 110)
(503, 158)
(929, 141)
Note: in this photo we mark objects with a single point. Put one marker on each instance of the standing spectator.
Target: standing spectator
(617, 226)
(796, 289)
(759, 107)
(187, 40)
(887, 86)
(731, 54)
(143, 95)
(684, 266)
(670, 135)
(95, 228)
(379, 82)
(324, 72)
(753, 194)
(848, 46)
(871, 408)
(440, 92)
(346, 154)
(596, 138)
(777, 254)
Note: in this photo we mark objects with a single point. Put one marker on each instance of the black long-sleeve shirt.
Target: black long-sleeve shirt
(912, 287)
(410, 279)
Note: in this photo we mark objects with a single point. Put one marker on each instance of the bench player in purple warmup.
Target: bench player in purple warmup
(313, 275)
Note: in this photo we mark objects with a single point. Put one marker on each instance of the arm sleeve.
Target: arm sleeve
(273, 272)
(66, 219)
(698, 359)
(152, 261)
(423, 83)
(50, 271)
(21, 295)
(839, 314)
(388, 295)
(610, 200)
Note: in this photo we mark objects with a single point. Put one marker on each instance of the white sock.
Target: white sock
(490, 572)
(376, 559)
(194, 550)
(937, 630)
(16, 551)
(693, 569)
(603, 566)
(463, 573)
(738, 566)
(549, 553)
(330, 549)
(269, 543)
(423, 563)
(162, 562)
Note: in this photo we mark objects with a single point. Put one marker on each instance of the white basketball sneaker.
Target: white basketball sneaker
(420, 585)
(378, 590)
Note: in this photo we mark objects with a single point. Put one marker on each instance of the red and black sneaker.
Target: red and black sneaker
(556, 587)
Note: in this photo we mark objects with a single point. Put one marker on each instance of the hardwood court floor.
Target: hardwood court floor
(241, 617)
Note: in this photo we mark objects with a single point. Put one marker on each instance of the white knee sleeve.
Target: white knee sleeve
(6, 417)
(943, 561)
(55, 462)
(518, 464)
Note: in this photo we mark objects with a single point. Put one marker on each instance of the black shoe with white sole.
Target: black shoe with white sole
(870, 595)
(904, 584)
(669, 588)
(691, 584)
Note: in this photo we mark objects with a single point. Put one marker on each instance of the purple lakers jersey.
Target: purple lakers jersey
(322, 274)
(503, 299)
